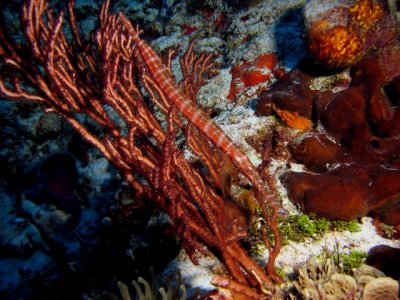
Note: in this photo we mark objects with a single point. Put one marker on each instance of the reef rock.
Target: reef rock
(381, 288)
(290, 100)
(353, 156)
(386, 259)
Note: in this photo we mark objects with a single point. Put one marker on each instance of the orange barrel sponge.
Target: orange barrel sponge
(336, 30)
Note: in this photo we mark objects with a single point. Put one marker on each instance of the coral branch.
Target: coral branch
(121, 72)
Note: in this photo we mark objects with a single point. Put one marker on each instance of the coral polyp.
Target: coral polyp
(336, 31)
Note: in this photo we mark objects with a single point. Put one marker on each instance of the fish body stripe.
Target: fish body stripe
(194, 114)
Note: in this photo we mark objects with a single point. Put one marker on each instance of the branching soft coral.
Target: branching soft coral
(119, 72)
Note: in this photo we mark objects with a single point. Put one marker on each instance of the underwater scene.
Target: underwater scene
(212, 149)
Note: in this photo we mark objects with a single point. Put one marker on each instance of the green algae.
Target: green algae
(298, 228)
(388, 230)
(347, 262)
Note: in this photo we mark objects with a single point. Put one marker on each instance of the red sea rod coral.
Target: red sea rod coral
(121, 72)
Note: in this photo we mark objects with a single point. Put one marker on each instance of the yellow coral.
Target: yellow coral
(338, 47)
(365, 13)
(337, 38)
